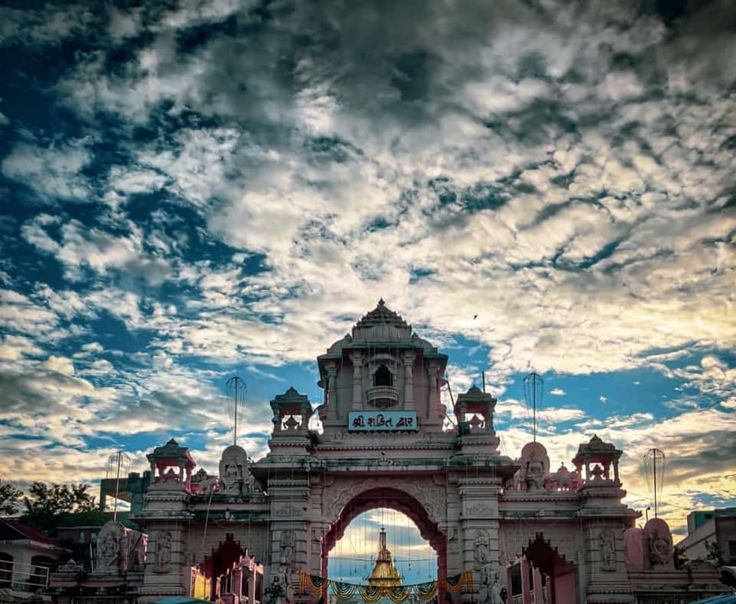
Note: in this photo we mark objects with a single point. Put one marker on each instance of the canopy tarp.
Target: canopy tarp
(728, 575)
(723, 599)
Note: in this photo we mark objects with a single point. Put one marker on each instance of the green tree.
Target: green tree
(9, 498)
(713, 553)
(48, 506)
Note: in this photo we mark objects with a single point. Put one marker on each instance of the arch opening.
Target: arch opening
(370, 503)
(383, 377)
(543, 570)
(382, 546)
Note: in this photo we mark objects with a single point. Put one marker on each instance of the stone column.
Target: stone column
(526, 586)
(432, 389)
(236, 584)
(166, 573)
(479, 521)
(252, 584)
(357, 359)
(332, 391)
(408, 359)
(289, 551)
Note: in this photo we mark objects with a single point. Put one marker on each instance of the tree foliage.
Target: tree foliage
(9, 498)
(50, 505)
(713, 553)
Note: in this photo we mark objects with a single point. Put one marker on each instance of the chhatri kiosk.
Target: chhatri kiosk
(516, 528)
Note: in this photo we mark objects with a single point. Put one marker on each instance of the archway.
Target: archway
(228, 574)
(394, 499)
(554, 573)
(355, 556)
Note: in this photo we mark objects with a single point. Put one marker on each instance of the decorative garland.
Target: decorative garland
(318, 587)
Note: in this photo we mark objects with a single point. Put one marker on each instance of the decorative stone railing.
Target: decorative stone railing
(382, 396)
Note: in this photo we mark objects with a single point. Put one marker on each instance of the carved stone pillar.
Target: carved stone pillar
(332, 391)
(252, 584)
(236, 585)
(408, 359)
(357, 359)
(432, 389)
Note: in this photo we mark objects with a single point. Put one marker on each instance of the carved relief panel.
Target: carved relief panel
(607, 549)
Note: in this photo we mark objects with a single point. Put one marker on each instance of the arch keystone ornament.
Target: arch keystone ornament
(503, 529)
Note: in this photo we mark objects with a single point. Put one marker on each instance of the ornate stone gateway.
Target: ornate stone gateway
(383, 445)
(521, 529)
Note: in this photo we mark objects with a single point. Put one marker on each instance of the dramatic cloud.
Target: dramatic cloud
(196, 188)
(54, 173)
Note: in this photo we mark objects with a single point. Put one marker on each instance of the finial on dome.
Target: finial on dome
(381, 302)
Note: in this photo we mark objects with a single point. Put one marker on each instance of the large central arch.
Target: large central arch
(395, 499)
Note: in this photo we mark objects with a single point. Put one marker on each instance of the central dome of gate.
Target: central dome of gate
(381, 326)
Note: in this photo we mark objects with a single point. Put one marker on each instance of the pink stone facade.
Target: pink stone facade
(529, 533)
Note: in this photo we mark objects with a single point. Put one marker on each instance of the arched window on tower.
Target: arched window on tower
(382, 377)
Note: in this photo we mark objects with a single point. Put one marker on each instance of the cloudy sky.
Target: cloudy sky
(197, 189)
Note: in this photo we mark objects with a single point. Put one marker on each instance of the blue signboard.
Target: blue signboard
(382, 421)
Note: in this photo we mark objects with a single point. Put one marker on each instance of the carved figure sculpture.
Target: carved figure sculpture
(659, 541)
(139, 552)
(249, 483)
(534, 463)
(234, 472)
(119, 549)
(489, 589)
(170, 476)
(287, 549)
(108, 546)
(607, 546)
(534, 475)
(482, 550)
(280, 591)
(124, 546)
(163, 552)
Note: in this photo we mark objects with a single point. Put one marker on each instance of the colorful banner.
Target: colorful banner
(313, 584)
(424, 592)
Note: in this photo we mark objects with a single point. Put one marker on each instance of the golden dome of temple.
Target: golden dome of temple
(385, 573)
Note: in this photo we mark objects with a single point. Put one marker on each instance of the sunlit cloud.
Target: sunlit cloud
(527, 185)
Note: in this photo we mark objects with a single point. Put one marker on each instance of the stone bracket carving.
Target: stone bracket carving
(287, 510)
(478, 510)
